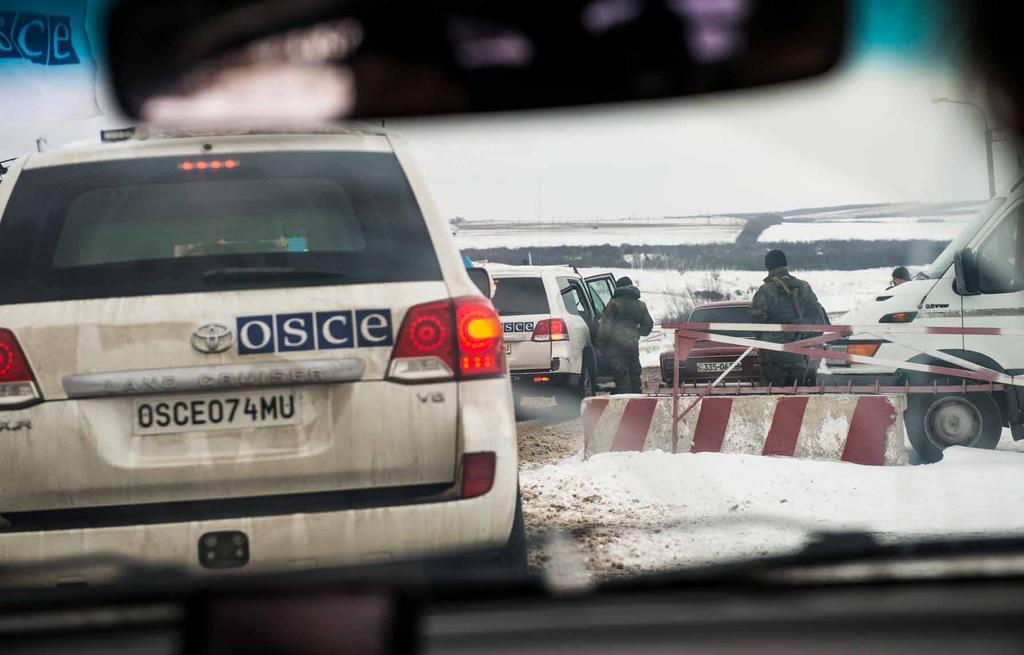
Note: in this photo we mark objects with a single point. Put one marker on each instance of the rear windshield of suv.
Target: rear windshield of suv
(723, 315)
(252, 220)
(518, 296)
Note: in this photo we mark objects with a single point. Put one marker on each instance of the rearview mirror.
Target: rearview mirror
(965, 266)
(251, 60)
(482, 279)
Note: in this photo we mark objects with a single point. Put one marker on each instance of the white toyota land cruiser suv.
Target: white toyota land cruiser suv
(549, 316)
(245, 349)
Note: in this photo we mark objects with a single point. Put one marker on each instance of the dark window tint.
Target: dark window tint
(572, 297)
(1000, 266)
(723, 315)
(518, 296)
(145, 226)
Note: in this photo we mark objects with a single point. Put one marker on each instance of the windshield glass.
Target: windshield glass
(230, 346)
(945, 259)
(723, 315)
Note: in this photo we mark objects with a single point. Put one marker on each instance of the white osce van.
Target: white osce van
(977, 281)
(245, 350)
(549, 315)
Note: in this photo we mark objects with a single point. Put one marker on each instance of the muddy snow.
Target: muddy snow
(624, 513)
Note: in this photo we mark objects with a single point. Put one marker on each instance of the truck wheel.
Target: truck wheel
(569, 399)
(936, 422)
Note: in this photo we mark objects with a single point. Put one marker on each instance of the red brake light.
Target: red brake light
(444, 339)
(17, 384)
(477, 474)
(213, 164)
(551, 329)
(424, 348)
(481, 349)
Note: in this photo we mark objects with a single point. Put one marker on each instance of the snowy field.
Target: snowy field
(632, 512)
(890, 222)
(666, 232)
(667, 293)
(876, 229)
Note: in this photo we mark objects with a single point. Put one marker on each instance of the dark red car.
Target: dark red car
(707, 360)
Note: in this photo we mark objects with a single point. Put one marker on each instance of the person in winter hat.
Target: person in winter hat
(783, 299)
(624, 321)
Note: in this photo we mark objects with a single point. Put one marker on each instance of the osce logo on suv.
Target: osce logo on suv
(268, 333)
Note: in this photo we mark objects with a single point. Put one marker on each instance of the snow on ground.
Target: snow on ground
(897, 228)
(630, 512)
(661, 233)
(670, 293)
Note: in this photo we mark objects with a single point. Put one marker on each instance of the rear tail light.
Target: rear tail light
(478, 329)
(477, 474)
(551, 329)
(459, 338)
(17, 384)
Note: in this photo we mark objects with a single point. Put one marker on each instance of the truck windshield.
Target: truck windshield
(941, 264)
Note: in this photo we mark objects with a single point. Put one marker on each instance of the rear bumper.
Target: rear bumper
(275, 543)
(397, 530)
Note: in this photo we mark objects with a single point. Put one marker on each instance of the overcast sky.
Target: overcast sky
(867, 134)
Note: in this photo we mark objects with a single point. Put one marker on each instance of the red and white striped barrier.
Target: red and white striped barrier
(688, 333)
(863, 429)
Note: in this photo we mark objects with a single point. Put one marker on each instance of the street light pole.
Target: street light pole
(990, 138)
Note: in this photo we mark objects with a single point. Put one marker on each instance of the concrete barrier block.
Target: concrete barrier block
(863, 429)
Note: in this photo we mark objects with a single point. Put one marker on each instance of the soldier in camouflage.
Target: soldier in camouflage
(783, 299)
(624, 321)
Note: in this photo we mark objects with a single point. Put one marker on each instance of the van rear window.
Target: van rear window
(162, 225)
(519, 296)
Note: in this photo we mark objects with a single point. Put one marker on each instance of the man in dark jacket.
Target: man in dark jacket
(783, 299)
(624, 321)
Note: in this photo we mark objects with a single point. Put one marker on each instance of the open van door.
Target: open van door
(601, 288)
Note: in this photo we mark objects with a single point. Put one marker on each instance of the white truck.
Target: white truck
(549, 315)
(977, 281)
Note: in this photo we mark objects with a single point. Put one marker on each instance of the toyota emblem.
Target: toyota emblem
(212, 338)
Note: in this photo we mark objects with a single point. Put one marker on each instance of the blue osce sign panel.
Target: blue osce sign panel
(37, 37)
(269, 333)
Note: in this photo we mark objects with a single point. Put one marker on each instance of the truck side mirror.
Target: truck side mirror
(965, 264)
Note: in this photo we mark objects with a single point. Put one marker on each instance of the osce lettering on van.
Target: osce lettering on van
(269, 333)
(518, 326)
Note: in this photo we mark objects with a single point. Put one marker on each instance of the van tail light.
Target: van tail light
(17, 384)
(460, 339)
(479, 334)
(477, 474)
(551, 329)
